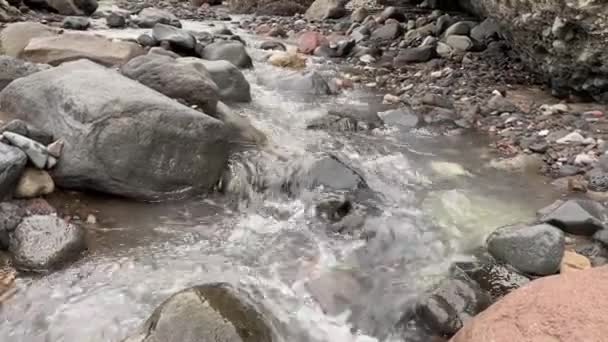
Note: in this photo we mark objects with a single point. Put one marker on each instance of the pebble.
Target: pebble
(554, 109)
(91, 219)
(390, 99)
(584, 159)
(573, 261)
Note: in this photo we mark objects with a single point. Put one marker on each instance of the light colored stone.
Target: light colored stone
(15, 37)
(574, 137)
(287, 60)
(35, 151)
(391, 99)
(34, 183)
(573, 261)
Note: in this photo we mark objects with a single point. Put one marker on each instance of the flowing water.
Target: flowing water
(431, 213)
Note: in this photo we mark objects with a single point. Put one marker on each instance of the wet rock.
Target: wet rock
(579, 217)
(336, 289)
(34, 183)
(459, 43)
(455, 301)
(41, 243)
(178, 39)
(36, 152)
(486, 31)
(119, 154)
(414, 55)
(16, 36)
(573, 261)
(305, 83)
(178, 79)
(150, 16)
(387, 32)
(358, 117)
(65, 7)
(71, 46)
(229, 79)
(531, 249)
(495, 278)
(359, 15)
(402, 117)
(12, 163)
(231, 51)
(10, 218)
(325, 9)
(76, 23)
(309, 41)
(13, 68)
(326, 171)
(116, 20)
(216, 309)
(147, 40)
(244, 132)
(273, 45)
(287, 60)
(548, 309)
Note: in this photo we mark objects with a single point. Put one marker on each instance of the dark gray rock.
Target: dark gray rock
(414, 55)
(231, 83)
(442, 23)
(231, 51)
(189, 82)
(273, 45)
(391, 13)
(180, 40)
(13, 68)
(302, 83)
(42, 243)
(12, 163)
(23, 128)
(76, 23)
(576, 216)
(150, 16)
(210, 312)
(147, 40)
(116, 20)
(10, 217)
(121, 137)
(64, 7)
(486, 31)
(387, 32)
(460, 28)
(457, 299)
(534, 250)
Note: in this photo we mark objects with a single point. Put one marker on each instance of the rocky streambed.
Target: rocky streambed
(305, 178)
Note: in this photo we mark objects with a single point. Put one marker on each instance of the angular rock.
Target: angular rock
(387, 32)
(190, 82)
(150, 16)
(303, 83)
(16, 36)
(534, 250)
(455, 301)
(178, 39)
(216, 309)
(413, 55)
(486, 31)
(11, 216)
(122, 138)
(72, 46)
(459, 43)
(65, 7)
(36, 152)
(577, 216)
(42, 243)
(326, 9)
(231, 51)
(548, 309)
(309, 41)
(34, 183)
(12, 163)
(116, 20)
(12, 69)
(495, 278)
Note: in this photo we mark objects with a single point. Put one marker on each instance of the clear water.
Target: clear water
(432, 213)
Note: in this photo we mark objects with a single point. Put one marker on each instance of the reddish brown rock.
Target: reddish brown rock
(563, 308)
(309, 41)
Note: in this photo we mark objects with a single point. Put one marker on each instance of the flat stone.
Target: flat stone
(35, 151)
(573, 261)
(579, 217)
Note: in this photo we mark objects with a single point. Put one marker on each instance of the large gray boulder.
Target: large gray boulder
(233, 87)
(65, 7)
(13, 68)
(207, 313)
(150, 16)
(531, 249)
(121, 137)
(12, 162)
(188, 82)
(41, 243)
(231, 51)
(569, 49)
